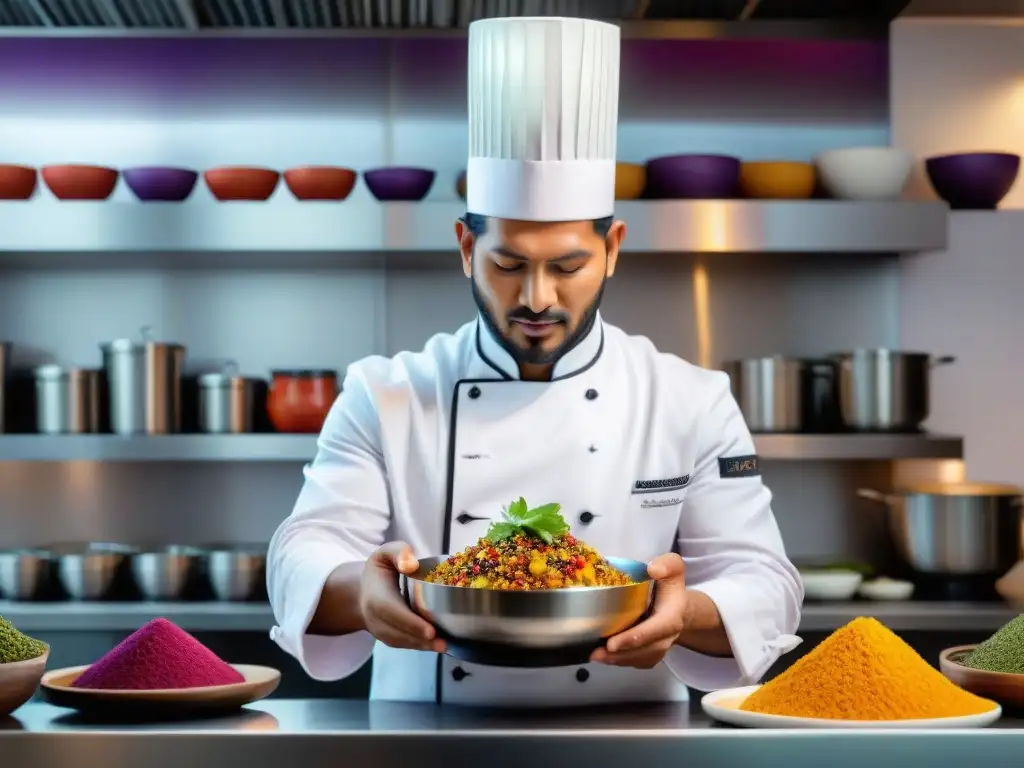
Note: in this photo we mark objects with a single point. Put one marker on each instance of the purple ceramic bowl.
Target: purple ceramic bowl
(693, 177)
(973, 180)
(393, 184)
(159, 184)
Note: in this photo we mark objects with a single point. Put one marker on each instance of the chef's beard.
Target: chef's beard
(534, 353)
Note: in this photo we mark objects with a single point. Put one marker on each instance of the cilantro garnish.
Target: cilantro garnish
(543, 522)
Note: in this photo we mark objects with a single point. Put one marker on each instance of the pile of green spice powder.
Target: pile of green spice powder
(16, 646)
(1003, 652)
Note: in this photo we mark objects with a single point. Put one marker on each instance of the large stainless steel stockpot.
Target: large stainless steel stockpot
(145, 385)
(883, 390)
(769, 391)
(955, 528)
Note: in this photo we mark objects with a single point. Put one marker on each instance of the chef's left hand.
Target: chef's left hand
(646, 644)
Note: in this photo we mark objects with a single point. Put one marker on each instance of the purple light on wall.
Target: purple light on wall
(426, 76)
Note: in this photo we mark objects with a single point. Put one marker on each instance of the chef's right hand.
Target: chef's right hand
(385, 612)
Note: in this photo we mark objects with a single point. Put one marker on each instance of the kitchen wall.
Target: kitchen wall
(366, 103)
(958, 85)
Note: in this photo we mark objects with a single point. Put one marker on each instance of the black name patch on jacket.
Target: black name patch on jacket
(739, 466)
(656, 486)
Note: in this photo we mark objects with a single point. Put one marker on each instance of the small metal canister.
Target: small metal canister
(145, 385)
(67, 400)
(226, 402)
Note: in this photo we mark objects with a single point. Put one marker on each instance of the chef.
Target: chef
(537, 397)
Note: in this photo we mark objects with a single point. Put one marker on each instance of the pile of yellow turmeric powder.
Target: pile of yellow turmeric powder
(863, 671)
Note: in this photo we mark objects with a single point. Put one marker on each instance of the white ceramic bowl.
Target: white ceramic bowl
(830, 585)
(886, 589)
(864, 173)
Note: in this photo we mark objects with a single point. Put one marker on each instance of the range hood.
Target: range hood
(640, 18)
(199, 15)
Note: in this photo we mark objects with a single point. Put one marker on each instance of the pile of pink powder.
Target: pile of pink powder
(158, 656)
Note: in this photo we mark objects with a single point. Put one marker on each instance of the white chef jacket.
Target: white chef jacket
(641, 449)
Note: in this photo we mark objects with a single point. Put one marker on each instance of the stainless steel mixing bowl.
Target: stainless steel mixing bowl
(166, 574)
(238, 572)
(90, 571)
(24, 573)
(539, 620)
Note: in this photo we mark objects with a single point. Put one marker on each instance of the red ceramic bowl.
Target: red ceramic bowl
(241, 183)
(17, 182)
(320, 182)
(80, 182)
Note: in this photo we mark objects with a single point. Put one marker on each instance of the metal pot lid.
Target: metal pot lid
(305, 373)
(225, 380)
(961, 489)
(56, 372)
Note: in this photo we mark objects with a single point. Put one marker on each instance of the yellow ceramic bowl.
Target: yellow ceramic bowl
(777, 180)
(630, 180)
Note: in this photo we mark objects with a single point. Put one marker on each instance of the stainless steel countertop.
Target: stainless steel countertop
(313, 733)
(257, 617)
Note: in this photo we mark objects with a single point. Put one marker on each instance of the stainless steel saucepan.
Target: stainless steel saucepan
(882, 390)
(955, 528)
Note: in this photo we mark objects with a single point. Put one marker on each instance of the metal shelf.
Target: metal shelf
(910, 616)
(273, 447)
(858, 447)
(126, 232)
(257, 617)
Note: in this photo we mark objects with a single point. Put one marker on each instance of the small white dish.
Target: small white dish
(830, 585)
(886, 589)
(724, 706)
(865, 173)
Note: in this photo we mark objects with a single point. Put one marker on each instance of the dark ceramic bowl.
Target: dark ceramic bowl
(693, 177)
(320, 182)
(160, 184)
(241, 183)
(80, 182)
(973, 180)
(394, 184)
(17, 182)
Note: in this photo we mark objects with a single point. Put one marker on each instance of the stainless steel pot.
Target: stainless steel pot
(882, 390)
(769, 392)
(145, 385)
(226, 402)
(956, 528)
(67, 400)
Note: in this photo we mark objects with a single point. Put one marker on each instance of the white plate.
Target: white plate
(724, 706)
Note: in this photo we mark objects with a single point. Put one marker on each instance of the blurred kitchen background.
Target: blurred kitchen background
(304, 288)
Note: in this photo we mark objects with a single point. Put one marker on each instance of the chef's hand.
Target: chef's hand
(385, 612)
(646, 644)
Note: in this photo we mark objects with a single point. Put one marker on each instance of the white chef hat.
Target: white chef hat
(543, 118)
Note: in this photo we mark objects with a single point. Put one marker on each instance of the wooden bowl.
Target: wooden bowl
(1004, 687)
(57, 688)
(777, 180)
(80, 182)
(241, 183)
(320, 182)
(19, 680)
(17, 182)
(630, 180)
